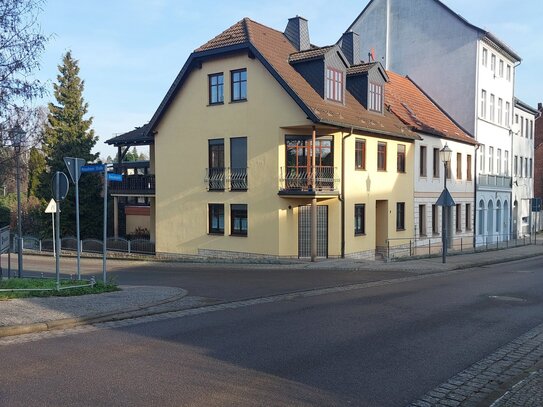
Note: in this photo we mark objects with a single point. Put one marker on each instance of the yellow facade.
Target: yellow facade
(180, 158)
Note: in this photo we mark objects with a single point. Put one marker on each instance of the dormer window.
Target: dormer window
(375, 102)
(334, 84)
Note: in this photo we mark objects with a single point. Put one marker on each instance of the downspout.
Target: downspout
(475, 206)
(314, 200)
(342, 195)
(512, 113)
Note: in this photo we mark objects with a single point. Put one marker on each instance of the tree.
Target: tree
(36, 167)
(68, 134)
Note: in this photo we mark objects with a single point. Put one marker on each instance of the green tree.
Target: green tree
(36, 167)
(68, 134)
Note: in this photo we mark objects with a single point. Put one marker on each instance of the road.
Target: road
(379, 346)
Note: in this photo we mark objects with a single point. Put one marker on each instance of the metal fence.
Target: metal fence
(113, 244)
(433, 246)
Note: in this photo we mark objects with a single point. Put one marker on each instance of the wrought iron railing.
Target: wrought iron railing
(237, 177)
(215, 179)
(301, 179)
(219, 179)
(134, 184)
(497, 181)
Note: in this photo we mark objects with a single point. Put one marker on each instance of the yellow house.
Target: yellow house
(267, 146)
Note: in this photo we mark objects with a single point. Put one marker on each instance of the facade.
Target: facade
(436, 129)
(469, 72)
(268, 146)
(538, 153)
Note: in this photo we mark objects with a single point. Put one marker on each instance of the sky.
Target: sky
(130, 51)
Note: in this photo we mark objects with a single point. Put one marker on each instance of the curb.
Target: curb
(64, 323)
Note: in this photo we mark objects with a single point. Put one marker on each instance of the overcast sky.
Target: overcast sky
(130, 51)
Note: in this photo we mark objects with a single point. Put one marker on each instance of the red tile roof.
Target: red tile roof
(407, 101)
(237, 34)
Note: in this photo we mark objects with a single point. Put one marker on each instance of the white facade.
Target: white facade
(444, 54)
(429, 183)
(523, 167)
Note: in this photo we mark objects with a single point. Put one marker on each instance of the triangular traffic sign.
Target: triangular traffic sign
(52, 207)
(74, 167)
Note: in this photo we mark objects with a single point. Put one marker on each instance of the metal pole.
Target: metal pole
(314, 200)
(76, 169)
(19, 220)
(57, 214)
(104, 242)
(54, 239)
(444, 220)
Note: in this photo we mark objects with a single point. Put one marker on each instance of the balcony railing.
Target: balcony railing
(301, 179)
(219, 179)
(134, 185)
(496, 181)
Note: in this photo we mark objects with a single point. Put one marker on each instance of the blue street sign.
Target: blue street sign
(93, 168)
(111, 176)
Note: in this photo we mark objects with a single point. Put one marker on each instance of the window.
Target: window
(334, 84)
(530, 168)
(375, 101)
(506, 163)
(500, 68)
(527, 129)
(422, 164)
(422, 220)
(481, 217)
(359, 219)
(482, 157)
(526, 165)
(216, 88)
(485, 57)
(507, 113)
(299, 163)
(493, 63)
(360, 154)
(515, 169)
(435, 220)
(500, 112)
(238, 216)
(521, 166)
(458, 217)
(436, 162)
(448, 170)
(238, 162)
(459, 166)
(400, 216)
(216, 219)
(401, 158)
(468, 216)
(468, 167)
(499, 162)
(239, 85)
(381, 156)
(521, 126)
(483, 104)
(490, 160)
(508, 72)
(492, 100)
(216, 164)
(531, 129)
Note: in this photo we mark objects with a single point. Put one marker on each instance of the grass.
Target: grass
(46, 283)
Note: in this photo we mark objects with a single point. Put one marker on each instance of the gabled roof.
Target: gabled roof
(407, 101)
(273, 49)
(360, 68)
(491, 37)
(306, 55)
(138, 136)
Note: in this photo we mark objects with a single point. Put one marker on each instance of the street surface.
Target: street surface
(381, 345)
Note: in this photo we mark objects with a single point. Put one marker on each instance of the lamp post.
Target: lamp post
(445, 155)
(17, 136)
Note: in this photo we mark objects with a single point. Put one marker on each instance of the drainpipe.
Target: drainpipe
(475, 203)
(314, 200)
(342, 195)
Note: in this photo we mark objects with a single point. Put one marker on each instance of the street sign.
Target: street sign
(4, 239)
(445, 199)
(60, 186)
(111, 176)
(74, 167)
(93, 168)
(536, 204)
(51, 207)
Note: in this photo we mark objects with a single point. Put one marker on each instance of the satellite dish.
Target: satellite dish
(515, 128)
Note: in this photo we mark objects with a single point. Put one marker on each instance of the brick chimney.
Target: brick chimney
(297, 32)
(350, 45)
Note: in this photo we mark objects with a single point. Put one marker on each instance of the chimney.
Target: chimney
(540, 106)
(350, 45)
(297, 32)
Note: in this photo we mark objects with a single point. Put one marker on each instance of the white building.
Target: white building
(523, 166)
(469, 72)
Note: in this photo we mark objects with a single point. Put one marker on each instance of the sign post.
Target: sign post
(60, 190)
(104, 243)
(52, 209)
(74, 168)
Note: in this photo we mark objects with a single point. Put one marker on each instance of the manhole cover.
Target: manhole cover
(506, 298)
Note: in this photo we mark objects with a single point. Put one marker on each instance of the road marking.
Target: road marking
(506, 298)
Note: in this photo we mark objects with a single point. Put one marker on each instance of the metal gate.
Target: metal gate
(304, 231)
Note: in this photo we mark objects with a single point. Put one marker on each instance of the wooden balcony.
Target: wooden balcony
(134, 185)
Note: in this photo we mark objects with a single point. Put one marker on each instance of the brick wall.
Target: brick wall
(538, 154)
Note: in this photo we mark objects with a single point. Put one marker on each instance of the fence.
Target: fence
(433, 246)
(113, 244)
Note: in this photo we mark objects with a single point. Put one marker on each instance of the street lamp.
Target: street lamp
(18, 134)
(445, 155)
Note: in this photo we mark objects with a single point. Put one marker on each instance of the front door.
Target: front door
(304, 231)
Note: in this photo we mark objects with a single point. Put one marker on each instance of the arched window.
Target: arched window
(506, 231)
(481, 229)
(490, 218)
(498, 216)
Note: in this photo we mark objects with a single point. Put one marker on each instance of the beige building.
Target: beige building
(268, 146)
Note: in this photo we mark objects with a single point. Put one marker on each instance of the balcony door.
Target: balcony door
(299, 162)
(304, 231)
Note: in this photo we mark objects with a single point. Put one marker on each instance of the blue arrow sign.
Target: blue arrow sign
(93, 168)
(111, 176)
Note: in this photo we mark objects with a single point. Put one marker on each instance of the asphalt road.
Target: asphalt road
(380, 346)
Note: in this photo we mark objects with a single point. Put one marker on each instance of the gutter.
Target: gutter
(342, 194)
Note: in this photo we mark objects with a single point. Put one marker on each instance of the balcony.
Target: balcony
(494, 181)
(297, 181)
(134, 185)
(233, 179)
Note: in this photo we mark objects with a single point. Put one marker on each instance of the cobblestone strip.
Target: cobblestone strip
(473, 386)
(526, 393)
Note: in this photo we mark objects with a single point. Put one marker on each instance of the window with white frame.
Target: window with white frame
(500, 112)
(490, 160)
(500, 68)
(485, 57)
(499, 162)
(375, 102)
(493, 63)
(508, 73)
(507, 112)
(482, 157)
(492, 107)
(506, 163)
(483, 104)
(334, 84)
